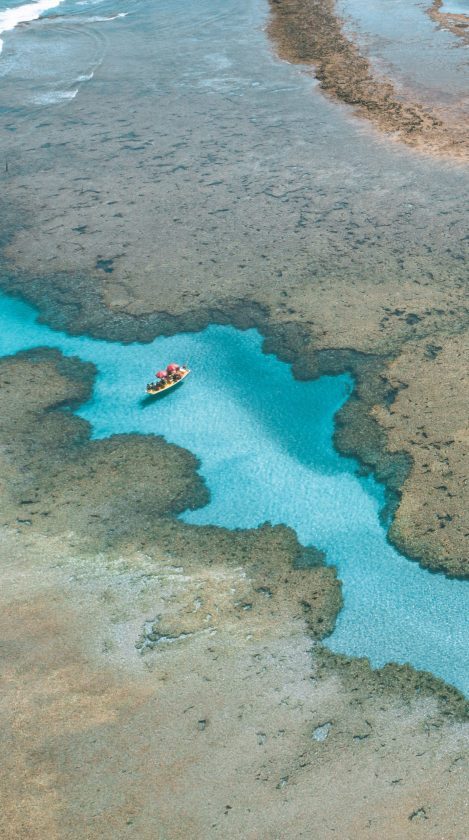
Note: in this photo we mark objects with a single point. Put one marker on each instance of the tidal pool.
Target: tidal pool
(265, 445)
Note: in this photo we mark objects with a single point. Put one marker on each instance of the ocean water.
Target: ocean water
(50, 48)
(12, 16)
(265, 445)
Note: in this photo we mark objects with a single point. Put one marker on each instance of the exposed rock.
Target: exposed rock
(208, 736)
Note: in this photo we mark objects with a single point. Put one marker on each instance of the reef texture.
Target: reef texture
(458, 24)
(432, 520)
(57, 480)
(407, 422)
(166, 682)
(309, 32)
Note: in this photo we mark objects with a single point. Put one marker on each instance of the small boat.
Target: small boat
(166, 379)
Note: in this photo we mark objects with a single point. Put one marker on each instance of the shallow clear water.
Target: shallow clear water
(51, 48)
(401, 39)
(455, 7)
(265, 445)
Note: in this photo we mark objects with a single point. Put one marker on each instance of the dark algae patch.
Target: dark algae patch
(75, 304)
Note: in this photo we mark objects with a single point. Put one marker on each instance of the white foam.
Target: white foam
(52, 97)
(9, 18)
(102, 19)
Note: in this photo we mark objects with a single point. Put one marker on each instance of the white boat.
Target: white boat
(173, 375)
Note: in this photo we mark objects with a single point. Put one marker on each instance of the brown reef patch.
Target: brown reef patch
(427, 418)
(406, 421)
(309, 32)
(458, 24)
(57, 480)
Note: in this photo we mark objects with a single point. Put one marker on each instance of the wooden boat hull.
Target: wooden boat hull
(169, 387)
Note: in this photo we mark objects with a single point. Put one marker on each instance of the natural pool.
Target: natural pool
(265, 445)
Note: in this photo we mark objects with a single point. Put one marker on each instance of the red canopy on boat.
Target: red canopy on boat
(161, 374)
(172, 367)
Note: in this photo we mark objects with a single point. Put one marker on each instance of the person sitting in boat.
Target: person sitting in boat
(170, 372)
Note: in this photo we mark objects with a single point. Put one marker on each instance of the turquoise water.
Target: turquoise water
(265, 445)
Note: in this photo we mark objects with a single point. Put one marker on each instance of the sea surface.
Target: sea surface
(50, 48)
(265, 445)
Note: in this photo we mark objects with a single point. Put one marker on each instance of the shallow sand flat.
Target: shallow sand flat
(241, 729)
